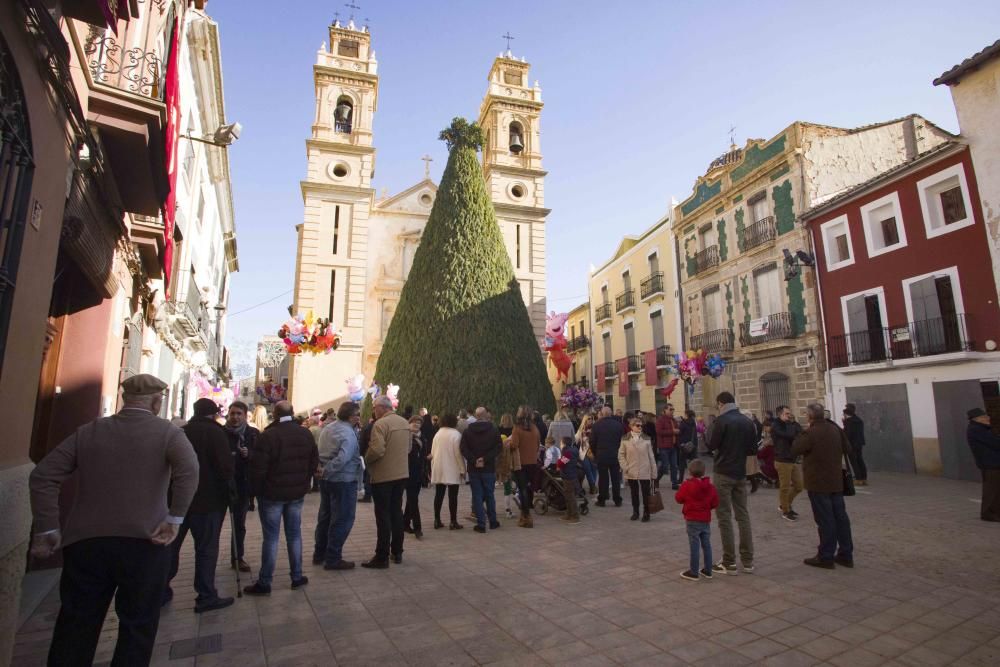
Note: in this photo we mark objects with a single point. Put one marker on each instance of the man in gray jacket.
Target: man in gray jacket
(388, 462)
(339, 472)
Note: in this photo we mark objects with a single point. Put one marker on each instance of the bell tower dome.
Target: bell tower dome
(510, 116)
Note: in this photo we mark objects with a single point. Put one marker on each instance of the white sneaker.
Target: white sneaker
(748, 569)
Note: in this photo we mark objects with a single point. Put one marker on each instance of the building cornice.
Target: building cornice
(316, 186)
(337, 146)
(520, 208)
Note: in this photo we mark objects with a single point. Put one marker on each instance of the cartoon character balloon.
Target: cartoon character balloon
(392, 391)
(356, 387)
(555, 343)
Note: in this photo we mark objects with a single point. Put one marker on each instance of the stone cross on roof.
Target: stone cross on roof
(427, 165)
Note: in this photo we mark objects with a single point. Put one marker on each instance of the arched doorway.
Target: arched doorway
(16, 171)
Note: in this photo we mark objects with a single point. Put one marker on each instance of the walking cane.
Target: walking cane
(232, 546)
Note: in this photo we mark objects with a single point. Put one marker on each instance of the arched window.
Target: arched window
(516, 138)
(773, 391)
(343, 115)
(16, 171)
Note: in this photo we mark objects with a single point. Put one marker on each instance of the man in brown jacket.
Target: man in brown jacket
(822, 447)
(388, 465)
(115, 534)
(281, 472)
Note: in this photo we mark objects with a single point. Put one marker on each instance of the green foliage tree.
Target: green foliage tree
(461, 335)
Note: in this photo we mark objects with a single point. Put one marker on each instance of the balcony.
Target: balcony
(609, 369)
(663, 356)
(761, 232)
(706, 259)
(636, 363)
(126, 77)
(602, 313)
(183, 319)
(719, 341)
(625, 300)
(578, 343)
(651, 285)
(913, 340)
(773, 327)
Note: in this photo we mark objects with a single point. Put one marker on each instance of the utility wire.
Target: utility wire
(273, 298)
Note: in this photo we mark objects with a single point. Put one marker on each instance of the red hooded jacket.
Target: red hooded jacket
(699, 498)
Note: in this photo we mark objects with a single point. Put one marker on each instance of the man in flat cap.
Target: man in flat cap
(985, 446)
(115, 535)
(207, 511)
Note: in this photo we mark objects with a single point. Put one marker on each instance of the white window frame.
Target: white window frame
(828, 240)
(926, 184)
(880, 292)
(956, 287)
(867, 222)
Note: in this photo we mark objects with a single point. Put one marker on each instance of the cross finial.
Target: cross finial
(353, 7)
(336, 18)
(427, 165)
(732, 135)
(508, 37)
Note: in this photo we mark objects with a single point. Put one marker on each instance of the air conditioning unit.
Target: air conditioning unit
(802, 361)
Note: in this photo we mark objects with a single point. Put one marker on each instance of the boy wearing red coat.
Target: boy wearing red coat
(699, 498)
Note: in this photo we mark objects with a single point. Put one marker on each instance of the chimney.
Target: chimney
(910, 137)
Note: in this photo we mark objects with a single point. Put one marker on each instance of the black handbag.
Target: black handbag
(848, 476)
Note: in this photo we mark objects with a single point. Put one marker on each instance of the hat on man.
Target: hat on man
(205, 407)
(976, 412)
(143, 384)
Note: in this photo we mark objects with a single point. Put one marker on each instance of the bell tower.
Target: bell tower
(512, 165)
(331, 262)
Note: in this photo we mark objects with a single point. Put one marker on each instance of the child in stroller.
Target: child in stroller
(564, 468)
(765, 456)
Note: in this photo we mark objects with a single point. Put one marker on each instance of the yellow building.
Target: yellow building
(578, 348)
(635, 328)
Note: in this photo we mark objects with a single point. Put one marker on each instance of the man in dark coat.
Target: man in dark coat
(985, 446)
(364, 439)
(605, 439)
(855, 430)
(823, 447)
(208, 509)
(784, 430)
(242, 439)
(733, 438)
(480, 446)
(281, 473)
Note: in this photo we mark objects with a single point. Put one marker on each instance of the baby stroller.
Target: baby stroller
(551, 493)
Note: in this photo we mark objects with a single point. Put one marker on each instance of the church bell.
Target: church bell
(342, 113)
(516, 143)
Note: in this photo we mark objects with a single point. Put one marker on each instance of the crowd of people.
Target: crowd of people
(143, 484)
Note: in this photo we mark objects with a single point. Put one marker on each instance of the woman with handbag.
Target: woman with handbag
(635, 456)
(586, 453)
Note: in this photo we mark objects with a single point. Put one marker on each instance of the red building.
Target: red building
(909, 306)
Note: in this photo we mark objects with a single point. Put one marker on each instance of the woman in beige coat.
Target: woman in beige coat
(447, 469)
(635, 456)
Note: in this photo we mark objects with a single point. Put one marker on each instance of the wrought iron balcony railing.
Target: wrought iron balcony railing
(720, 340)
(134, 70)
(663, 356)
(603, 312)
(779, 326)
(625, 300)
(759, 233)
(651, 284)
(577, 343)
(184, 318)
(609, 369)
(706, 259)
(908, 341)
(636, 363)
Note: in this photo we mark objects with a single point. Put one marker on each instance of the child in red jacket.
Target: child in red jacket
(699, 498)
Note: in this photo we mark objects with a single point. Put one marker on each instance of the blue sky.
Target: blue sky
(639, 98)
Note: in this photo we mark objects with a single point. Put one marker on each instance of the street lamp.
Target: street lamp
(224, 136)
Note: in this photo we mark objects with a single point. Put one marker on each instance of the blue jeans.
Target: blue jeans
(482, 484)
(337, 506)
(668, 458)
(700, 535)
(833, 525)
(590, 470)
(271, 514)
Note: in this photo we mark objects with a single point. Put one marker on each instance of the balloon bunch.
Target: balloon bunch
(391, 391)
(271, 392)
(580, 398)
(222, 396)
(693, 365)
(309, 334)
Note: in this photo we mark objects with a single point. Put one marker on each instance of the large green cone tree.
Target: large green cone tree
(461, 335)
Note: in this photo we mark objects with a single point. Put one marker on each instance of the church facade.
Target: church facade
(355, 249)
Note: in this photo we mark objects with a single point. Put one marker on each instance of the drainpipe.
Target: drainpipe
(680, 307)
